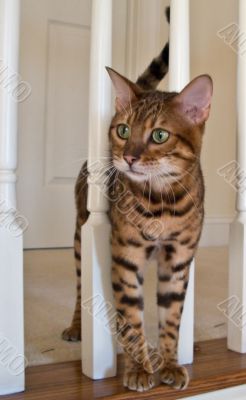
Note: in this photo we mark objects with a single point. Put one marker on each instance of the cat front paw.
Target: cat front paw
(140, 381)
(72, 334)
(175, 376)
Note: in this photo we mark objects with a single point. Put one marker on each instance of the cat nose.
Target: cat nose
(130, 159)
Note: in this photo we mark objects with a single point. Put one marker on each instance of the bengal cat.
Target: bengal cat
(156, 210)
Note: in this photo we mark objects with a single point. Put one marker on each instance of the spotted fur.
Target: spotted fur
(156, 194)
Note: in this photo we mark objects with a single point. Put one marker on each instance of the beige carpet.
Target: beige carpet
(50, 297)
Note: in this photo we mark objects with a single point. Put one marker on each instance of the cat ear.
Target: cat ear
(126, 91)
(195, 99)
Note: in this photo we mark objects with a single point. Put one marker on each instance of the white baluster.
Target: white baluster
(179, 76)
(98, 346)
(11, 247)
(237, 243)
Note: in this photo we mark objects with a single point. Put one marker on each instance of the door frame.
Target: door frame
(12, 356)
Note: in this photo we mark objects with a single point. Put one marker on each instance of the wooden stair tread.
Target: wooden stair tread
(215, 367)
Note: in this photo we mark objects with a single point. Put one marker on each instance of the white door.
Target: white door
(54, 60)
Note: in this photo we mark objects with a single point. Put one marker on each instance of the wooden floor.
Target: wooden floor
(214, 368)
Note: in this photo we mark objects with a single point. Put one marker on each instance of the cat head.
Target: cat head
(155, 134)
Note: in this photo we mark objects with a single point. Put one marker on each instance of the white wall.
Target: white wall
(211, 55)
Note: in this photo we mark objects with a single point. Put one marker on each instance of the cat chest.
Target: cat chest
(153, 223)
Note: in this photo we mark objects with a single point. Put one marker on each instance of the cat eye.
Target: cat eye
(123, 131)
(160, 136)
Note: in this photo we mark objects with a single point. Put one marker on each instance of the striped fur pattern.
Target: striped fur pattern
(156, 196)
(156, 71)
(148, 80)
(73, 333)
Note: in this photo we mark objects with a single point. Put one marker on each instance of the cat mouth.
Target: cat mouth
(135, 172)
(129, 171)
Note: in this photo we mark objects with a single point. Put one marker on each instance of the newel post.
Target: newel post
(179, 76)
(12, 358)
(98, 344)
(237, 243)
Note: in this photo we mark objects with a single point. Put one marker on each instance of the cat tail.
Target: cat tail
(158, 68)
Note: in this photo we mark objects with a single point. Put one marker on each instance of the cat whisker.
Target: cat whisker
(145, 183)
(107, 167)
(160, 189)
(184, 172)
(188, 193)
(167, 193)
(150, 191)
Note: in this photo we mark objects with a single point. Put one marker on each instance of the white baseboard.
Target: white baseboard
(216, 231)
(234, 393)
